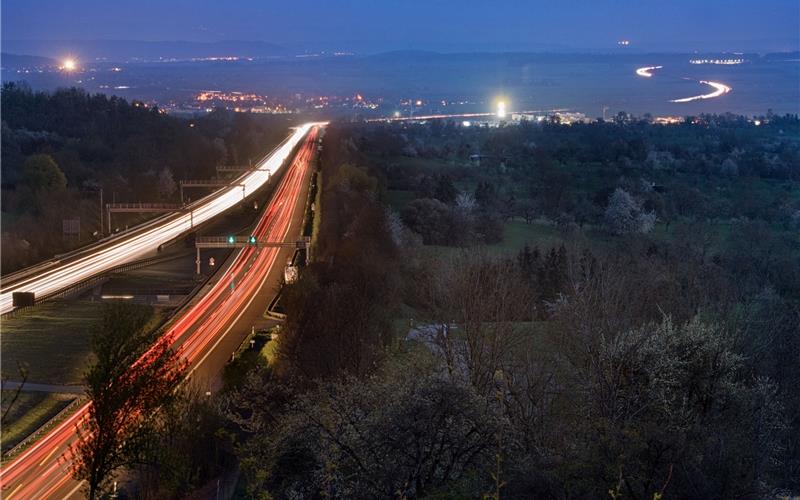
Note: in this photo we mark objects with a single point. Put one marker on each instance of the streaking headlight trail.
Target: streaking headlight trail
(719, 89)
(647, 71)
(153, 234)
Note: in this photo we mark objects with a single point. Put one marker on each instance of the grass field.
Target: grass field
(29, 412)
(518, 233)
(52, 339)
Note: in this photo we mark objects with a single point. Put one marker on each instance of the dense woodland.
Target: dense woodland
(654, 354)
(60, 148)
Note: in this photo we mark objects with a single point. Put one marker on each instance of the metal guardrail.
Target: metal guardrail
(144, 207)
(44, 428)
(234, 168)
(23, 273)
(148, 291)
(208, 183)
(91, 281)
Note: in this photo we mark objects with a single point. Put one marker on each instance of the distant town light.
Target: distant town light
(501, 109)
(69, 64)
(466, 123)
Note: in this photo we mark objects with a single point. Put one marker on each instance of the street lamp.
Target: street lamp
(69, 65)
(501, 109)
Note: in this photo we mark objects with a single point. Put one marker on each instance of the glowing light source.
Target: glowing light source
(719, 89)
(501, 109)
(647, 72)
(69, 64)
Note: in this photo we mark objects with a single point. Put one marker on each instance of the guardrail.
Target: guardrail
(57, 418)
(92, 281)
(144, 207)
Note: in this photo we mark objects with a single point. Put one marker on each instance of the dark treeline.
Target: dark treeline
(59, 148)
(712, 167)
(622, 362)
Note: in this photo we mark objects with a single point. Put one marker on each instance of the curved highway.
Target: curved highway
(647, 71)
(76, 267)
(42, 471)
(719, 89)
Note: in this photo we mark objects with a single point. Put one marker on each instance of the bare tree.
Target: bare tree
(134, 374)
(480, 299)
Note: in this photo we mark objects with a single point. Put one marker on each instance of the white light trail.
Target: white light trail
(160, 231)
(719, 89)
(647, 71)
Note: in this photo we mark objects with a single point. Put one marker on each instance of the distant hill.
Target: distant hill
(128, 50)
(21, 61)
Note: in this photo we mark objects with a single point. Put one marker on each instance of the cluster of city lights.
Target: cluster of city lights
(725, 62)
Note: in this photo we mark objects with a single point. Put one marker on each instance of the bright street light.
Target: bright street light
(69, 65)
(501, 109)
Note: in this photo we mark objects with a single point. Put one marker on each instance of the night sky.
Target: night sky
(377, 25)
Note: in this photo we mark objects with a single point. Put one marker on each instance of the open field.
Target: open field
(52, 340)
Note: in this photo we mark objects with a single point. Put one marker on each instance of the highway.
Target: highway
(49, 278)
(647, 71)
(719, 89)
(205, 332)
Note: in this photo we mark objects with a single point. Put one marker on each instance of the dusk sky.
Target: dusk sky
(370, 25)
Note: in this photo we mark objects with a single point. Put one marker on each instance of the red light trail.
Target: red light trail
(42, 471)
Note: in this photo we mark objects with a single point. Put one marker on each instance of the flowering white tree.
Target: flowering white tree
(166, 183)
(625, 215)
(465, 203)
